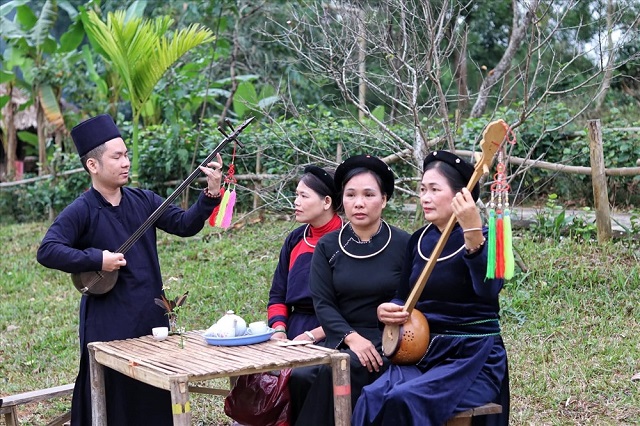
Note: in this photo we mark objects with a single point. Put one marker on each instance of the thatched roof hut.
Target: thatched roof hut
(24, 119)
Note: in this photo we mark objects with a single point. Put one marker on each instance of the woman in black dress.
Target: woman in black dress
(353, 270)
(290, 308)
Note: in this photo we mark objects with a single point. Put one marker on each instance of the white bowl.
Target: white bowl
(160, 333)
(258, 327)
(221, 331)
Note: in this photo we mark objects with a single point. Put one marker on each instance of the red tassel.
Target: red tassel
(212, 218)
(499, 246)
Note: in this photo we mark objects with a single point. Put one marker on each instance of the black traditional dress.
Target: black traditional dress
(74, 243)
(290, 301)
(466, 363)
(347, 286)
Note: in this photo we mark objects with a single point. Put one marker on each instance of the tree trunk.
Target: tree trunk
(599, 182)
(461, 75)
(232, 76)
(135, 159)
(42, 143)
(362, 68)
(608, 71)
(12, 137)
(515, 41)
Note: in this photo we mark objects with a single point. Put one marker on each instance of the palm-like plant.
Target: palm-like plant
(141, 51)
(29, 45)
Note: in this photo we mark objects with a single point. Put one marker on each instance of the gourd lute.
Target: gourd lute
(407, 343)
(101, 282)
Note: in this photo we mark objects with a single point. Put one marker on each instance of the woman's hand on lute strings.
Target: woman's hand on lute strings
(392, 314)
(465, 209)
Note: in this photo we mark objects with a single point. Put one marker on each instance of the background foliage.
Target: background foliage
(570, 321)
(170, 152)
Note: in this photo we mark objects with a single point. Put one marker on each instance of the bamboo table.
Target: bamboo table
(164, 364)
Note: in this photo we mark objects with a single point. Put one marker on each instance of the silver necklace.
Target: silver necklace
(440, 259)
(304, 237)
(355, 256)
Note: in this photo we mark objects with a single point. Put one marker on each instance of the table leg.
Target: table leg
(180, 405)
(341, 373)
(98, 395)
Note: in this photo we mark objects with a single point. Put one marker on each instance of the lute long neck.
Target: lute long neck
(171, 198)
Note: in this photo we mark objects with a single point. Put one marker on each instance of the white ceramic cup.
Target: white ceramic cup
(258, 327)
(160, 333)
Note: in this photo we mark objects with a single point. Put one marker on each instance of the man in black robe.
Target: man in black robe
(86, 236)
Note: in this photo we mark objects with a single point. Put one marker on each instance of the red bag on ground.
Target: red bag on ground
(260, 399)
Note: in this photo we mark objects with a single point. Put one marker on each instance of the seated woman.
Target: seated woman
(465, 365)
(352, 272)
(290, 308)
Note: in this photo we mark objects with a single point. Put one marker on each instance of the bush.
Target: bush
(286, 146)
(44, 198)
(569, 146)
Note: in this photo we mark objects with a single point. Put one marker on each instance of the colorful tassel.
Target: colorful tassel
(491, 246)
(500, 260)
(499, 246)
(223, 208)
(509, 260)
(221, 215)
(228, 213)
(216, 210)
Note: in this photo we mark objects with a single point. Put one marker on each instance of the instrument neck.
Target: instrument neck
(175, 194)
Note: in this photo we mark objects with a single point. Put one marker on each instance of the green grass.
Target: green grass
(571, 323)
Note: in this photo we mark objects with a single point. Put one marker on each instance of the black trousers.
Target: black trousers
(311, 391)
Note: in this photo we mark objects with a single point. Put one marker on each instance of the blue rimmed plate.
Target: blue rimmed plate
(247, 339)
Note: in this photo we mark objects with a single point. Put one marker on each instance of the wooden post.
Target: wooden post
(180, 405)
(341, 373)
(257, 202)
(98, 394)
(599, 182)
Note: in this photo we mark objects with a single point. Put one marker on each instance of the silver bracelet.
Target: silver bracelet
(475, 249)
(310, 336)
(464, 231)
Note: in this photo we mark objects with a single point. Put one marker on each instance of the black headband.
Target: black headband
(464, 168)
(371, 163)
(324, 177)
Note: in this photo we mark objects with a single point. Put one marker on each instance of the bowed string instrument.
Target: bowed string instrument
(407, 343)
(101, 282)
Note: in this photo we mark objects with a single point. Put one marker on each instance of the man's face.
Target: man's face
(112, 169)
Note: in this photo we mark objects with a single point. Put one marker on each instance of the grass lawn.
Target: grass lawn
(571, 323)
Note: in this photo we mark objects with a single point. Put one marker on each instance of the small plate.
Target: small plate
(247, 339)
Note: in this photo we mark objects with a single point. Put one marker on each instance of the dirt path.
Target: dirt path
(619, 221)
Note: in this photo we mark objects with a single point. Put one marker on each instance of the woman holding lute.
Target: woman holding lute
(465, 365)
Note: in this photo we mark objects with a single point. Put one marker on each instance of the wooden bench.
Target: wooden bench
(9, 404)
(464, 418)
